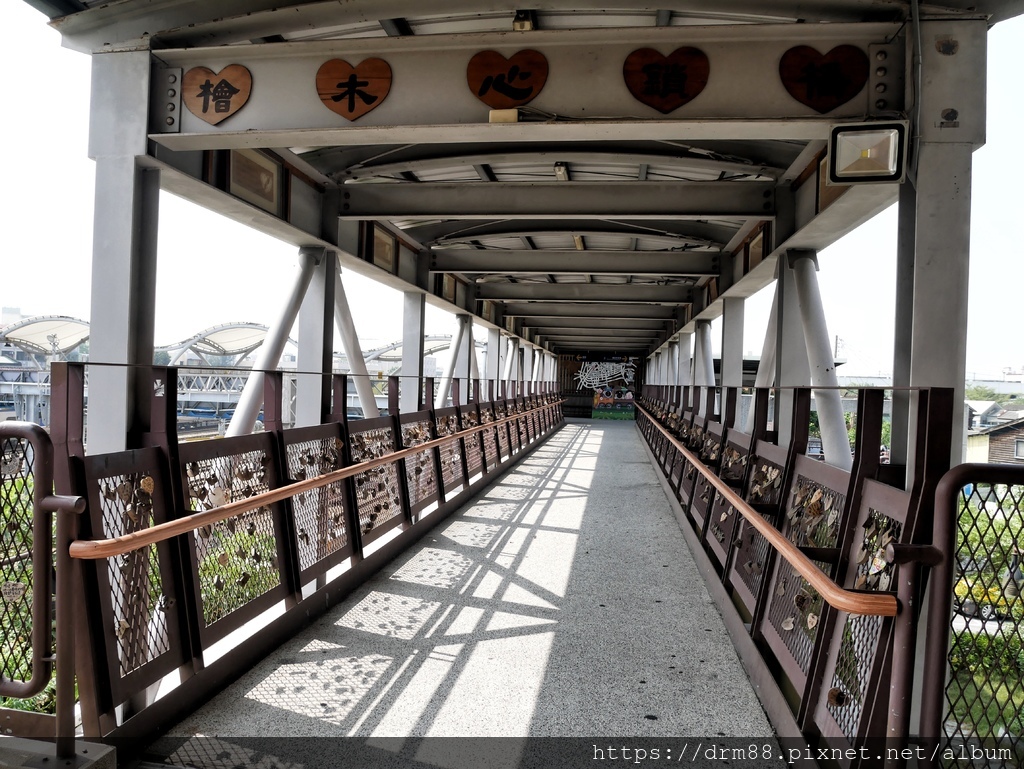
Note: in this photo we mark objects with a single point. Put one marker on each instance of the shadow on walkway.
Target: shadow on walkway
(561, 602)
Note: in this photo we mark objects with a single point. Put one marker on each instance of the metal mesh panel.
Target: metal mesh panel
(474, 451)
(752, 556)
(500, 412)
(236, 559)
(845, 699)
(723, 518)
(377, 490)
(985, 689)
(794, 607)
(702, 496)
(140, 607)
(490, 439)
(734, 462)
(711, 447)
(451, 452)
(319, 514)
(17, 481)
(419, 468)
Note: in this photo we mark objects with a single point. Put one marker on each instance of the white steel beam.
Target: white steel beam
(124, 251)
(316, 344)
(835, 441)
(424, 64)
(591, 262)
(244, 418)
(557, 200)
(413, 320)
(353, 349)
(461, 321)
(584, 292)
(732, 342)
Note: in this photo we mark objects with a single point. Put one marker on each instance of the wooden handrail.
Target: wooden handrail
(851, 601)
(92, 549)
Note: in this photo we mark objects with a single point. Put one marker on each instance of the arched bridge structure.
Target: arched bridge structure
(582, 185)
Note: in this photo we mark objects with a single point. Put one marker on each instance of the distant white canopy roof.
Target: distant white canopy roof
(45, 334)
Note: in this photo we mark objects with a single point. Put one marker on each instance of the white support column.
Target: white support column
(413, 307)
(510, 364)
(353, 350)
(520, 368)
(791, 369)
(529, 353)
(835, 441)
(732, 342)
(492, 363)
(124, 249)
(316, 342)
(952, 125)
(904, 323)
(461, 321)
(463, 366)
(685, 360)
(704, 363)
(673, 363)
(244, 418)
(765, 376)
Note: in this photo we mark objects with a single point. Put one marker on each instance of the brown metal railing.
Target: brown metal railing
(28, 460)
(854, 602)
(820, 565)
(973, 708)
(115, 546)
(136, 598)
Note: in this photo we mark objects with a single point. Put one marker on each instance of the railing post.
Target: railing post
(67, 578)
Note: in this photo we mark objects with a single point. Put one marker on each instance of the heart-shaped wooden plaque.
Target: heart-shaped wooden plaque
(824, 81)
(216, 96)
(666, 82)
(353, 91)
(502, 83)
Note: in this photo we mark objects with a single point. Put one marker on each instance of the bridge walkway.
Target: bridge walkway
(562, 601)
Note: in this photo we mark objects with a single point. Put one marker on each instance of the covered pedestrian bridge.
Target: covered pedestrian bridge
(586, 188)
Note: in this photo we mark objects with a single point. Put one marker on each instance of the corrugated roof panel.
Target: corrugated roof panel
(457, 24)
(553, 242)
(341, 32)
(614, 242)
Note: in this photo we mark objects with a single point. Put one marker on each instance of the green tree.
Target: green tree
(980, 393)
(161, 358)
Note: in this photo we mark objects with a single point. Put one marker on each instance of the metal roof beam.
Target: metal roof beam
(544, 323)
(592, 310)
(232, 21)
(583, 292)
(599, 333)
(557, 200)
(578, 156)
(672, 233)
(667, 263)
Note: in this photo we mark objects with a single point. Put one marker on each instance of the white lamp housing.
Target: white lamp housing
(872, 153)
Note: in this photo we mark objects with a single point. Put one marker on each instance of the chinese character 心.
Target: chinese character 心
(503, 84)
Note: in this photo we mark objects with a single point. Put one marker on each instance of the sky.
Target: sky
(213, 271)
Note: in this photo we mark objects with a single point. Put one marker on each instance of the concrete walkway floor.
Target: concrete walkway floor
(561, 602)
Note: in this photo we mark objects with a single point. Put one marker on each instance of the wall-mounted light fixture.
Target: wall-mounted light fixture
(864, 153)
(524, 21)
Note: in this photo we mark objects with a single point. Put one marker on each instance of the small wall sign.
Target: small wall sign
(353, 91)
(502, 83)
(666, 83)
(824, 81)
(216, 96)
